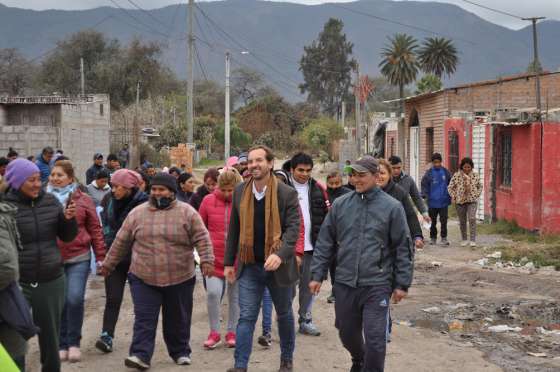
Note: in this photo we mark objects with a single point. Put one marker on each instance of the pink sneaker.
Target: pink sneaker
(230, 339)
(214, 340)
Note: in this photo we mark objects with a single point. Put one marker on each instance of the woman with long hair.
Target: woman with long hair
(76, 255)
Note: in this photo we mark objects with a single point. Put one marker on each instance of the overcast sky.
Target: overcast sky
(547, 8)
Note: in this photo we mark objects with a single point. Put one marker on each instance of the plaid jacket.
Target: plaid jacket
(162, 243)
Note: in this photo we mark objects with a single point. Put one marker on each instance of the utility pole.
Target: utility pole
(226, 125)
(82, 77)
(190, 76)
(358, 113)
(135, 159)
(536, 63)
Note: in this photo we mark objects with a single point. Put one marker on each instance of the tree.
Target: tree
(248, 85)
(534, 67)
(326, 66)
(399, 64)
(384, 91)
(438, 56)
(428, 83)
(239, 139)
(320, 133)
(16, 73)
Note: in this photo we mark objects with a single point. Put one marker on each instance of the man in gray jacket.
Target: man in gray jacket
(374, 262)
(406, 182)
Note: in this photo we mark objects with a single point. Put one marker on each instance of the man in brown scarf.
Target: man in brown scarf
(264, 227)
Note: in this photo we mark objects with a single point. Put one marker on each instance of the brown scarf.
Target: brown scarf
(273, 229)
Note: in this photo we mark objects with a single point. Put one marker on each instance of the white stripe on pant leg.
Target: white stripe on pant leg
(387, 322)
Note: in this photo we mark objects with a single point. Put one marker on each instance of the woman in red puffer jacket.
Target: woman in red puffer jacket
(215, 211)
(76, 256)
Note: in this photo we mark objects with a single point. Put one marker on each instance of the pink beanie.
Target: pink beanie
(126, 178)
(232, 161)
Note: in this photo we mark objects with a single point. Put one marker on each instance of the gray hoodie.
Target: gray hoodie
(96, 193)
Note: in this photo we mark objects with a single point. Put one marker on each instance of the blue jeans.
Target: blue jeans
(266, 312)
(252, 283)
(73, 312)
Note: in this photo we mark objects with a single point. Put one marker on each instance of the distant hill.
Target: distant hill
(275, 33)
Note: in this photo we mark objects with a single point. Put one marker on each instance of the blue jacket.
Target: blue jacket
(44, 167)
(434, 187)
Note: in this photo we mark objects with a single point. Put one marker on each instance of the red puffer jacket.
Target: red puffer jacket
(89, 230)
(215, 212)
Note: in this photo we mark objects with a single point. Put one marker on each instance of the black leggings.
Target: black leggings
(114, 292)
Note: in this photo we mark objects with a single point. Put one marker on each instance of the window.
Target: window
(429, 144)
(101, 109)
(453, 157)
(505, 159)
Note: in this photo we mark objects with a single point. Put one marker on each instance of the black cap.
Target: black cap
(97, 155)
(103, 173)
(365, 164)
(112, 157)
(164, 179)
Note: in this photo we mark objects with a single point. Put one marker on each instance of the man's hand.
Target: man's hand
(427, 218)
(70, 211)
(272, 263)
(398, 295)
(419, 243)
(207, 269)
(315, 287)
(229, 273)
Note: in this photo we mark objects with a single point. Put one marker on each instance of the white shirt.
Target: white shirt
(303, 196)
(259, 195)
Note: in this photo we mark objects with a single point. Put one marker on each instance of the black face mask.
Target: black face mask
(161, 203)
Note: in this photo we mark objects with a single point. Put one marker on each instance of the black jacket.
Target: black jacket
(40, 222)
(196, 198)
(287, 273)
(401, 195)
(337, 193)
(368, 234)
(318, 207)
(91, 173)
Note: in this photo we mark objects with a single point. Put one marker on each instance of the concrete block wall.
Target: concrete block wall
(84, 132)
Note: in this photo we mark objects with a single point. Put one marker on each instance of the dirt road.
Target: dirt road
(460, 291)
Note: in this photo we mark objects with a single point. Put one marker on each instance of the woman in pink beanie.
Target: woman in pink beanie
(124, 197)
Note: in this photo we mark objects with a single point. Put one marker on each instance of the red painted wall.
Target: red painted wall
(551, 179)
(458, 125)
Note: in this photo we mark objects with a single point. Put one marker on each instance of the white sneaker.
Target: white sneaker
(134, 362)
(464, 243)
(184, 361)
(473, 244)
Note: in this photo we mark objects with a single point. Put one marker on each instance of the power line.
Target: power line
(151, 29)
(149, 14)
(492, 9)
(200, 63)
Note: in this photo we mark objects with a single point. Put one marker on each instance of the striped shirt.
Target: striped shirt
(162, 243)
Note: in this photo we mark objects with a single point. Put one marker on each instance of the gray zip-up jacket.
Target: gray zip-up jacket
(373, 240)
(407, 184)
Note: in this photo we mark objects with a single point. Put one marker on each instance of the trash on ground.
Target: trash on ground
(432, 310)
(503, 328)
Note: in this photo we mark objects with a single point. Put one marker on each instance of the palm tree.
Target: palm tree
(438, 56)
(428, 83)
(400, 65)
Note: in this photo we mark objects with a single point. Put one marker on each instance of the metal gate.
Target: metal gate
(478, 157)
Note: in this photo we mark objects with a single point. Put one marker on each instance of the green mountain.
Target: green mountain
(274, 34)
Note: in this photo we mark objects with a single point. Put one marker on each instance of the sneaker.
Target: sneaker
(473, 244)
(184, 360)
(105, 343)
(357, 366)
(286, 366)
(214, 340)
(464, 243)
(444, 242)
(265, 340)
(331, 298)
(63, 354)
(308, 328)
(135, 362)
(433, 241)
(230, 339)
(237, 370)
(74, 354)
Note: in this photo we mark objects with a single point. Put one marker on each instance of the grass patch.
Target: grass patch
(210, 163)
(514, 232)
(540, 255)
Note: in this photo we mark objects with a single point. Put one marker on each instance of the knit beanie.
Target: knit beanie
(18, 171)
(165, 179)
(126, 178)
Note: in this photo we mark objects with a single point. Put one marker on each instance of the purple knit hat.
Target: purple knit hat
(18, 171)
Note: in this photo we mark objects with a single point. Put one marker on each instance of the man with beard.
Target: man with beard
(263, 231)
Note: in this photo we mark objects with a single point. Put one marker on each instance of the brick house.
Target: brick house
(77, 125)
(493, 122)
